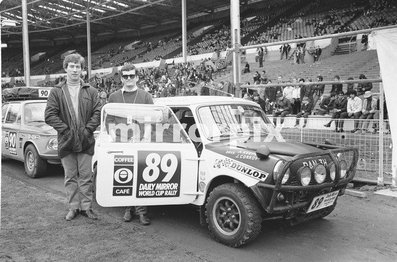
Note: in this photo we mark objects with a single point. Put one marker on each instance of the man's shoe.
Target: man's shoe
(337, 130)
(341, 130)
(72, 214)
(89, 213)
(144, 220)
(127, 215)
(358, 131)
(328, 125)
(304, 126)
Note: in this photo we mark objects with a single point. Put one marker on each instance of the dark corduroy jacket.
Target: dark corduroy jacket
(74, 135)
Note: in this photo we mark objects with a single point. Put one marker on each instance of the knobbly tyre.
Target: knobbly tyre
(26, 137)
(221, 154)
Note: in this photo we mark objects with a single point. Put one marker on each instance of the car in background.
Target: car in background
(26, 136)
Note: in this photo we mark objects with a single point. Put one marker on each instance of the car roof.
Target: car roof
(199, 100)
(24, 101)
(24, 93)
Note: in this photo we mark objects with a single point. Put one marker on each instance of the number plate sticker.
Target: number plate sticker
(44, 92)
(323, 201)
(159, 174)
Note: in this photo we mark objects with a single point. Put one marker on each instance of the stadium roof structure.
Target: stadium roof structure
(66, 19)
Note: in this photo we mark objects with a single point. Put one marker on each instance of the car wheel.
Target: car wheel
(233, 215)
(34, 165)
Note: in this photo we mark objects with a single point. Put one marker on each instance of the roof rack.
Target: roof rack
(25, 93)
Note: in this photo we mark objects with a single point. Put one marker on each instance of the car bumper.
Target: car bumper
(300, 197)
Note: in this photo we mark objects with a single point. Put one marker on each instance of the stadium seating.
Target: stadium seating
(274, 22)
(349, 65)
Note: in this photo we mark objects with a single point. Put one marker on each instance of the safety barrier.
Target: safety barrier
(367, 143)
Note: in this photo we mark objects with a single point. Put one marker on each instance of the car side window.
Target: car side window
(13, 113)
(3, 112)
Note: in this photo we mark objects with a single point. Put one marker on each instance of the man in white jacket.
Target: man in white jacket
(354, 108)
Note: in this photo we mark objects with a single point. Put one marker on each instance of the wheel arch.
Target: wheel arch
(219, 180)
(223, 179)
(29, 142)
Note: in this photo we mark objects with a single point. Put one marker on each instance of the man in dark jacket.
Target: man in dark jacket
(260, 56)
(282, 108)
(260, 101)
(363, 87)
(318, 91)
(73, 110)
(306, 109)
(326, 104)
(337, 87)
(340, 107)
(306, 90)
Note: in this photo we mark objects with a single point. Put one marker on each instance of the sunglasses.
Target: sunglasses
(128, 76)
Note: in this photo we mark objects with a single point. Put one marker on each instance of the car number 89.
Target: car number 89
(154, 162)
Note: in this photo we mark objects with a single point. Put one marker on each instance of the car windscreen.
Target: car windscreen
(129, 123)
(34, 112)
(233, 120)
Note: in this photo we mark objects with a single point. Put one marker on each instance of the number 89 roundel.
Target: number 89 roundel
(159, 174)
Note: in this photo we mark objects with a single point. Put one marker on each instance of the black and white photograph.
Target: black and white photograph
(198, 130)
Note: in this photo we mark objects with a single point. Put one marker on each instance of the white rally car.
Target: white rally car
(221, 154)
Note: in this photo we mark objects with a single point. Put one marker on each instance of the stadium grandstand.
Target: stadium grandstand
(148, 34)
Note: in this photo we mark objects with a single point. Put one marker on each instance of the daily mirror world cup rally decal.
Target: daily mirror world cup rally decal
(159, 174)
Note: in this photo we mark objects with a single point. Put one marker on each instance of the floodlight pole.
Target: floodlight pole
(25, 41)
(88, 43)
(235, 32)
(184, 32)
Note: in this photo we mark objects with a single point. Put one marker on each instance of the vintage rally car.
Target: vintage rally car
(221, 154)
(26, 137)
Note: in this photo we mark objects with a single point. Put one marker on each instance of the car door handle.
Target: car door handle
(115, 152)
(195, 159)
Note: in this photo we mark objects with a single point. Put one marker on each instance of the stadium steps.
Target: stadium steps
(345, 48)
(348, 65)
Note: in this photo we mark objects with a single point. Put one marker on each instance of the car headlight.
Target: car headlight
(52, 144)
(305, 175)
(277, 172)
(343, 168)
(332, 171)
(320, 172)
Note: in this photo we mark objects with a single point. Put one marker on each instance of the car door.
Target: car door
(144, 157)
(10, 131)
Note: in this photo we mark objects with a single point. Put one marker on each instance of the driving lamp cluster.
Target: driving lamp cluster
(320, 173)
(306, 175)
